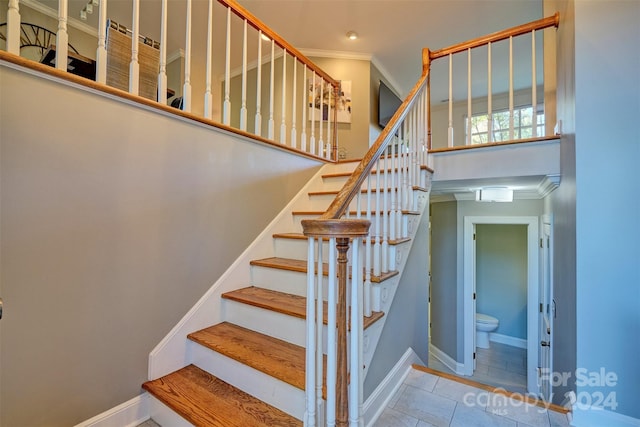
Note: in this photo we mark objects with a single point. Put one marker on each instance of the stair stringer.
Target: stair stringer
(171, 352)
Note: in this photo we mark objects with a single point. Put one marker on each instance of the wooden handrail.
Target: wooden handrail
(550, 21)
(259, 25)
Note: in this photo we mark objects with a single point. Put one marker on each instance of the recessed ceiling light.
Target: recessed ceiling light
(352, 35)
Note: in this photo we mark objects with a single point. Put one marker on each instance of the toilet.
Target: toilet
(484, 325)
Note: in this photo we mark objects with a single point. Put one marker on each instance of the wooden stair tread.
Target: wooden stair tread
(300, 266)
(205, 400)
(300, 236)
(280, 302)
(272, 356)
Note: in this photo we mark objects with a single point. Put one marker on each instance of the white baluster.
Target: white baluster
(226, 105)
(243, 105)
(320, 140)
(62, 37)
(258, 122)
(271, 130)
(393, 190)
(208, 95)
(186, 88)
(377, 268)
(319, 327)
(332, 368)
(450, 131)
(305, 107)
(327, 151)
(134, 65)
(385, 221)
(400, 184)
(13, 27)
(294, 135)
(367, 256)
(489, 96)
(310, 414)
(101, 51)
(511, 124)
(469, 97)
(283, 124)
(534, 86)
(355, 361)
(312, 139)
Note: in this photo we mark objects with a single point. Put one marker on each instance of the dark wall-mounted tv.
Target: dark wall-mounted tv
(388, 103)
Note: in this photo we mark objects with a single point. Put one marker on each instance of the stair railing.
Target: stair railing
(495, 132)
(384, 181)
(282, 116)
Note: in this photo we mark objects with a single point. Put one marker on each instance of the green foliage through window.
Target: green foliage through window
(522, 125)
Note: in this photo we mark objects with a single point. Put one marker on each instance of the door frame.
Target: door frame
(469, 256)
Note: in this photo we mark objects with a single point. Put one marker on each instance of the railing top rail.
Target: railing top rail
(340, 203)
(259, 25)
(550, 21)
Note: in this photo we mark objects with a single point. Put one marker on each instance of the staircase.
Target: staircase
(238, 358)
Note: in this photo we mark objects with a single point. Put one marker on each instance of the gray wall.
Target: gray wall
(407, 324)
(114, 220)
(608, 195)
(444, 279)
(501, 276)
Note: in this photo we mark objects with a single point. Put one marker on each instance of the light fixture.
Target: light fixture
(352, 35)
(494, 194)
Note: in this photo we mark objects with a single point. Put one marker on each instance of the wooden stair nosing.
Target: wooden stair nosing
(205, 400)
(300, 266)
(354, 213)
(289, 304)
(374, 171)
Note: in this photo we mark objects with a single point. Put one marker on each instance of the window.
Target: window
(522, 125)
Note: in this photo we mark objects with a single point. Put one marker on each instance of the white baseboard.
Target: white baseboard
(127, 414)
(506, 339)
(596, 417)
(448, 361)
(379, 399)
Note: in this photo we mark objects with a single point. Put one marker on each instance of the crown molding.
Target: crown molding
(73, 22)
(548, 184)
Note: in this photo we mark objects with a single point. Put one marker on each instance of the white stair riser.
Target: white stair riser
(295, 248)
(258, 384)
(165, 416)
(291, 282)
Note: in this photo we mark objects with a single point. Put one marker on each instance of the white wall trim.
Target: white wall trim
(448, 361)
(597, 417)
(379, 399)
(127, 414)
(506, 339)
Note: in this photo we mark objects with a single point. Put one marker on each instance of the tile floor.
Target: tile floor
(500, 365)
(426, 400)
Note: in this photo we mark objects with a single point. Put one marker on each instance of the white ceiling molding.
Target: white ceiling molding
(548, 184)
(73, 22)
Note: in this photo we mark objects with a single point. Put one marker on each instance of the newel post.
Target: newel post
(343, 231)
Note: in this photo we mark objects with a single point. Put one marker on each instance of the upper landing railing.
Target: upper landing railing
(249, 79)
(367, 219)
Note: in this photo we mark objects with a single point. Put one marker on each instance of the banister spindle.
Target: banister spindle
(312, 138)
(342, 369)
(355, 338)
(101, 51)
(243, 105)
(489, 96)
(332, 371)
(469, 96)
(367, 256)
(327, 150)
(271, 130)
(450, 130)
(320, 140)
(186, 89)
(294, 134)
(134, 65)
(208, 95)
(62, 37)
(226, 106)
(384, 267)
(534, 87)
(511, 118)
(305, 107)
(283, 124)
(310, 371)
(258, 119)
(13, 27)
(319, 326)
(377, 268)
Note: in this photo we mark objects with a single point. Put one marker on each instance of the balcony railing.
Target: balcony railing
(225, 66)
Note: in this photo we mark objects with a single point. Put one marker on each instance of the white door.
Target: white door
(546, 314)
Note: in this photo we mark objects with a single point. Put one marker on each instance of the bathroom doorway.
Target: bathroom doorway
(532, 289)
